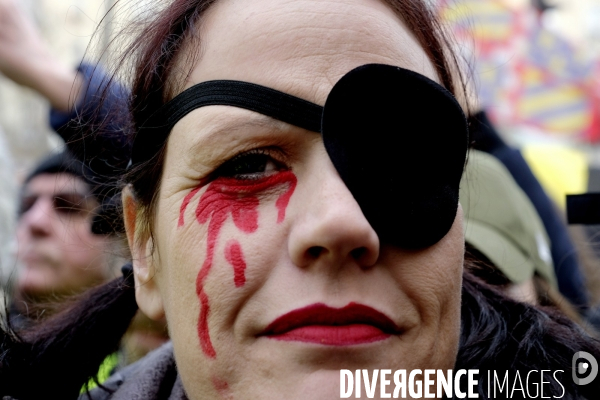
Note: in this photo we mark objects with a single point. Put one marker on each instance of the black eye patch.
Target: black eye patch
(398, 140)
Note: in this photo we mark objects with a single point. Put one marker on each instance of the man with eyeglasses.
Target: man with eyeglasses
(58, 254)
(68, 230)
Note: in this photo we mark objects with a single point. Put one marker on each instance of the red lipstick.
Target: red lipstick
(321, 324)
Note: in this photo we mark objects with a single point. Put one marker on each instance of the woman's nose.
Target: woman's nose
(330, 227)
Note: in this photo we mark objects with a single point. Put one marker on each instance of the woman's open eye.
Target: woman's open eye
(253, 164)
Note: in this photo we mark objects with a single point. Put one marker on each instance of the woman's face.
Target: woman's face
(270, 277)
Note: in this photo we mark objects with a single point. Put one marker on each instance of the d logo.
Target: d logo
(580, 368)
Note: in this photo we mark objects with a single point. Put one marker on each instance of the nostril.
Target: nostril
(315, 251)
(358, 253)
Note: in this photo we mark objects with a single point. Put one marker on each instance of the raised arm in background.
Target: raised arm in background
(92, 130)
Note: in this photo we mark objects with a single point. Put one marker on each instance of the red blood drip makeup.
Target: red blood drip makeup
(222, 388)
(233, 254)
(185, 203)
(237, 197)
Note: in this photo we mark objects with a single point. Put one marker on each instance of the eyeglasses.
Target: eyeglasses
(65, 203)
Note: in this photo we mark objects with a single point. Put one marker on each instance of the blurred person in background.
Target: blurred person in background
(88, 237)
(511, 53)
(505, 233)
(563, 253)
(58, 254)
(73, 94)
(64, 250)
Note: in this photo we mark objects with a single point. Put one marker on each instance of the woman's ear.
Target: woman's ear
(147, 293)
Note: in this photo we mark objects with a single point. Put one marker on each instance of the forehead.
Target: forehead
(302, 47)
(49, 184)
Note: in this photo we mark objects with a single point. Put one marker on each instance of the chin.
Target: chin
(33, 285)
(319, 385)
(316, 385)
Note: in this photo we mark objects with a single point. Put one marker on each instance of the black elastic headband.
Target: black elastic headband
(397, 139)
(263, 100)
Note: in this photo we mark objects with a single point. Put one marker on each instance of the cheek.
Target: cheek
(228, 213)
(441, 280)
(215, 275)
(443, 316)
(82, 247)
(74, 232)
(86, 262)
(431, 280)
(22, 241)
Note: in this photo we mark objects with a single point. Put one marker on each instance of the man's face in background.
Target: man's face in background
(57, 251)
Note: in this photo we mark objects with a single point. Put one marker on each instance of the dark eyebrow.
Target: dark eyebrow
(254, 120)
(237, 123)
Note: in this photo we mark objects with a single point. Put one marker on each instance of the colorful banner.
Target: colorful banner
(525, 74)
